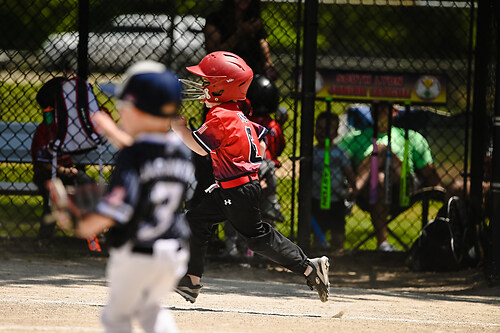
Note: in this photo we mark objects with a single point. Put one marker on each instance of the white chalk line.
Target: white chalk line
(222, 310)
(337, 316)
(173, 308)
(264, 313)
(419, 321)
(46, 301)
(49, 328)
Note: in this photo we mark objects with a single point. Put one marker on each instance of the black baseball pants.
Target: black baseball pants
(240, 207)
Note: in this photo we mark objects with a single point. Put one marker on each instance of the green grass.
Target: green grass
(406, 226)
(16, 172)
(20, 215)
(23, 172)
(18, 102)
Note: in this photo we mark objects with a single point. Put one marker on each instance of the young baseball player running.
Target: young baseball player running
(148, 238)
(233, 143)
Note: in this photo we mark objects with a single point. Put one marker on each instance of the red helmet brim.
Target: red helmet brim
(198, 71)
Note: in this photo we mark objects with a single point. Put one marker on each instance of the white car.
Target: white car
(130, 38)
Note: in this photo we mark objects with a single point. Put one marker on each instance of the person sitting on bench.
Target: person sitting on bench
(358, 145)
(41, 155)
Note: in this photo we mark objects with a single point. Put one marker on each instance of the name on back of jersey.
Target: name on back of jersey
(160, 168)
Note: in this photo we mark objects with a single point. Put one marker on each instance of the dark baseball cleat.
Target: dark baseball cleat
(318, 278)
(187, 289)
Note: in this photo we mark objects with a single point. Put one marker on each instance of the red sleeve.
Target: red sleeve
(40, 144)
(209, 135)
(260, 130)
(280, 142)
(40, 152)
(275, 141)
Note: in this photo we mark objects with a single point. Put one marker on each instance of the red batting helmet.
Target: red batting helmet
(228, 75)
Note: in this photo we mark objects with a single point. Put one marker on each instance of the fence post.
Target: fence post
(483, 37)
(470, 57)
(495, 170)
(307, 121)
(295, 115)
(83, 38)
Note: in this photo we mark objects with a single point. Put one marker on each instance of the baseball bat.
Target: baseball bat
(323, 242)
(326, 185)
(374, 157)
(404, 195)
(388, 162)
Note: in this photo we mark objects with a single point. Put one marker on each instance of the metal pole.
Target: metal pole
(307, 121)
(295, 116)
(171, 11)
(469, 96)
(83, 38)
(483, 37)
(495, 171)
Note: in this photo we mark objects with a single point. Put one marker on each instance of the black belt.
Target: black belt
(144, 250)
(149, 250)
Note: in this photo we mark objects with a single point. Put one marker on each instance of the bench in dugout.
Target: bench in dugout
(71, 102)
(16, 140)
(424, 196)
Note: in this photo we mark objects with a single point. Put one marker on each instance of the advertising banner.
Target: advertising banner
(422, 89)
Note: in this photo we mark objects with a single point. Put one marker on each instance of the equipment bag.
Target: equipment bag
(74, 102)
(439, 246)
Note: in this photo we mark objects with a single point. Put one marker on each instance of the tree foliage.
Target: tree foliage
(344, 30)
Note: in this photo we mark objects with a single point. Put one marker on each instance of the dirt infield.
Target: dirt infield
(44, 292)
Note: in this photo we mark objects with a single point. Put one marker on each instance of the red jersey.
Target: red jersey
(40, 153)
(232, 141)
(275, 140)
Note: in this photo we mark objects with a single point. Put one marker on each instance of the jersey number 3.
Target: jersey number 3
(254, 158)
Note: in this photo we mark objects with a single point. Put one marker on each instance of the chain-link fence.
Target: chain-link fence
(41, 41)
(397, 37)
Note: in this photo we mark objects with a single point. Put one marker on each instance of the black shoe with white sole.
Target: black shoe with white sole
(187, 289)
(318, 277)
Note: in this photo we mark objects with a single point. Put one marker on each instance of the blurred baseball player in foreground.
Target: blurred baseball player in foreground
(148, 238)
(233, 143)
